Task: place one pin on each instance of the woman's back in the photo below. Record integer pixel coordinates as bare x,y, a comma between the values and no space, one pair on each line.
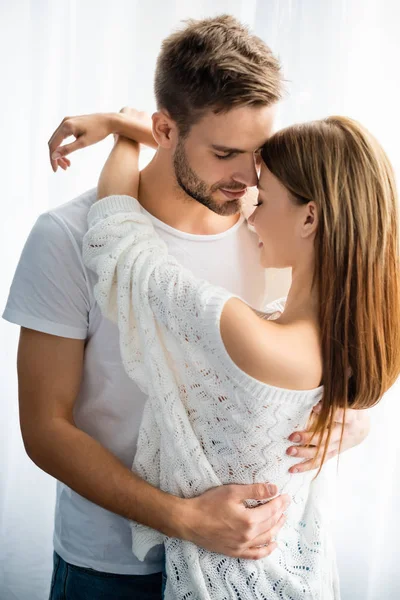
234,429
270,348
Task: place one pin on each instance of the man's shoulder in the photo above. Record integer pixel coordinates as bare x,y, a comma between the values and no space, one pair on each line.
72,215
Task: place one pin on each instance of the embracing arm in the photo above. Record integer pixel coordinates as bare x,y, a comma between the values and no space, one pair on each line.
120,174
136,271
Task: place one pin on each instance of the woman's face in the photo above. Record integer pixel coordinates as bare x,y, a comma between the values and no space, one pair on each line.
280,223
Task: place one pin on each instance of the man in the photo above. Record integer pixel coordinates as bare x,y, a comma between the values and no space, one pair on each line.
216,88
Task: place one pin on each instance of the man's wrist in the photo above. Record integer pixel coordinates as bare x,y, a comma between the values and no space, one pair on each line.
176,517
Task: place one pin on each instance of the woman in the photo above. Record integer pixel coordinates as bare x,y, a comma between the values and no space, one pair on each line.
226,384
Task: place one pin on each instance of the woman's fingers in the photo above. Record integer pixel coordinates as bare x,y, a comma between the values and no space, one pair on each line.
64,163
62,151
63,131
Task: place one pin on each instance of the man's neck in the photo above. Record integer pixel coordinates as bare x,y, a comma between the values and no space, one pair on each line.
161,196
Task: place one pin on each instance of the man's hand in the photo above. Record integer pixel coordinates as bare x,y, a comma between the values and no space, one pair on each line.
87,129
356,429
219,520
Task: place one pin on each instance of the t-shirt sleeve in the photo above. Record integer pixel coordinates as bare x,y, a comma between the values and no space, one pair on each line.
50,292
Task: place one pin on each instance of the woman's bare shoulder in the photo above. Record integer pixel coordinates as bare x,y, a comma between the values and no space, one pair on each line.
287,356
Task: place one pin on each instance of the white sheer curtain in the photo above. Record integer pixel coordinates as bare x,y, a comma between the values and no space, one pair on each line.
73,57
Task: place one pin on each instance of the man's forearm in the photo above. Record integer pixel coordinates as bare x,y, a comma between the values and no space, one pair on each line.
83,464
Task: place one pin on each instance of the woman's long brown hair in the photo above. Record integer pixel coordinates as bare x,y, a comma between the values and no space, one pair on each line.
340,166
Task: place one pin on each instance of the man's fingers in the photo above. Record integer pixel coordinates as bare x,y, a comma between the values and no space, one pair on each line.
310,452
308,465
258,553
266,516
302,451
304,438
270,535
257,491
262,526
339,413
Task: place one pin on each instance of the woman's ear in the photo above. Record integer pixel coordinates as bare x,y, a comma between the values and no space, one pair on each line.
164,129
310,220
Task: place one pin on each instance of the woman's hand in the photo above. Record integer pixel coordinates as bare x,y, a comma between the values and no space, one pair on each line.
87,129
90,129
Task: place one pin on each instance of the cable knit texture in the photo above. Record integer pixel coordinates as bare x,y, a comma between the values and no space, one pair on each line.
206,422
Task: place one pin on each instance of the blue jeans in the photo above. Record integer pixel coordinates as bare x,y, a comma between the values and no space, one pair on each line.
78,583
164,581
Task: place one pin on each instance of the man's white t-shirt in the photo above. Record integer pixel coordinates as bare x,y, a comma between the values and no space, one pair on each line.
52,292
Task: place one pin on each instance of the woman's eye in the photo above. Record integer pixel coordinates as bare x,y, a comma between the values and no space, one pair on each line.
258,204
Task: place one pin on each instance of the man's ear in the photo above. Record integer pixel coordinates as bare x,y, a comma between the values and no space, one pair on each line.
165,130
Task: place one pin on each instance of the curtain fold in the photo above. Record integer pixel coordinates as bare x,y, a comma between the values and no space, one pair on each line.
339,57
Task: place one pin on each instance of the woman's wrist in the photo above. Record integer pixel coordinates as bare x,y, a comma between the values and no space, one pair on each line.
126,145
116,122
135,129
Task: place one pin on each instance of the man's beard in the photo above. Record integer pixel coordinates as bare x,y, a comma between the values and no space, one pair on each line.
194,187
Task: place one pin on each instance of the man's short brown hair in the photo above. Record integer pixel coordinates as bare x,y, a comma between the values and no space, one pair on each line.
214,64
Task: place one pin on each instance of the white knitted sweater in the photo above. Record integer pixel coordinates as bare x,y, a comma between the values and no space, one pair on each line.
206,422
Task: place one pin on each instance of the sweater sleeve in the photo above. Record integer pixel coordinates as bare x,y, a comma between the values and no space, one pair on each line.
144,289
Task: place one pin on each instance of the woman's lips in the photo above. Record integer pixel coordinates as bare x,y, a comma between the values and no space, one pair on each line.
232,195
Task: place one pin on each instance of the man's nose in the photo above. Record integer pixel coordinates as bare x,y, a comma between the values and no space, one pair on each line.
248,175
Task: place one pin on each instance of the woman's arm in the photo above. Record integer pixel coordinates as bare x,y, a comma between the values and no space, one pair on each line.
140,284
125,249
135,125
120,174
193,310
